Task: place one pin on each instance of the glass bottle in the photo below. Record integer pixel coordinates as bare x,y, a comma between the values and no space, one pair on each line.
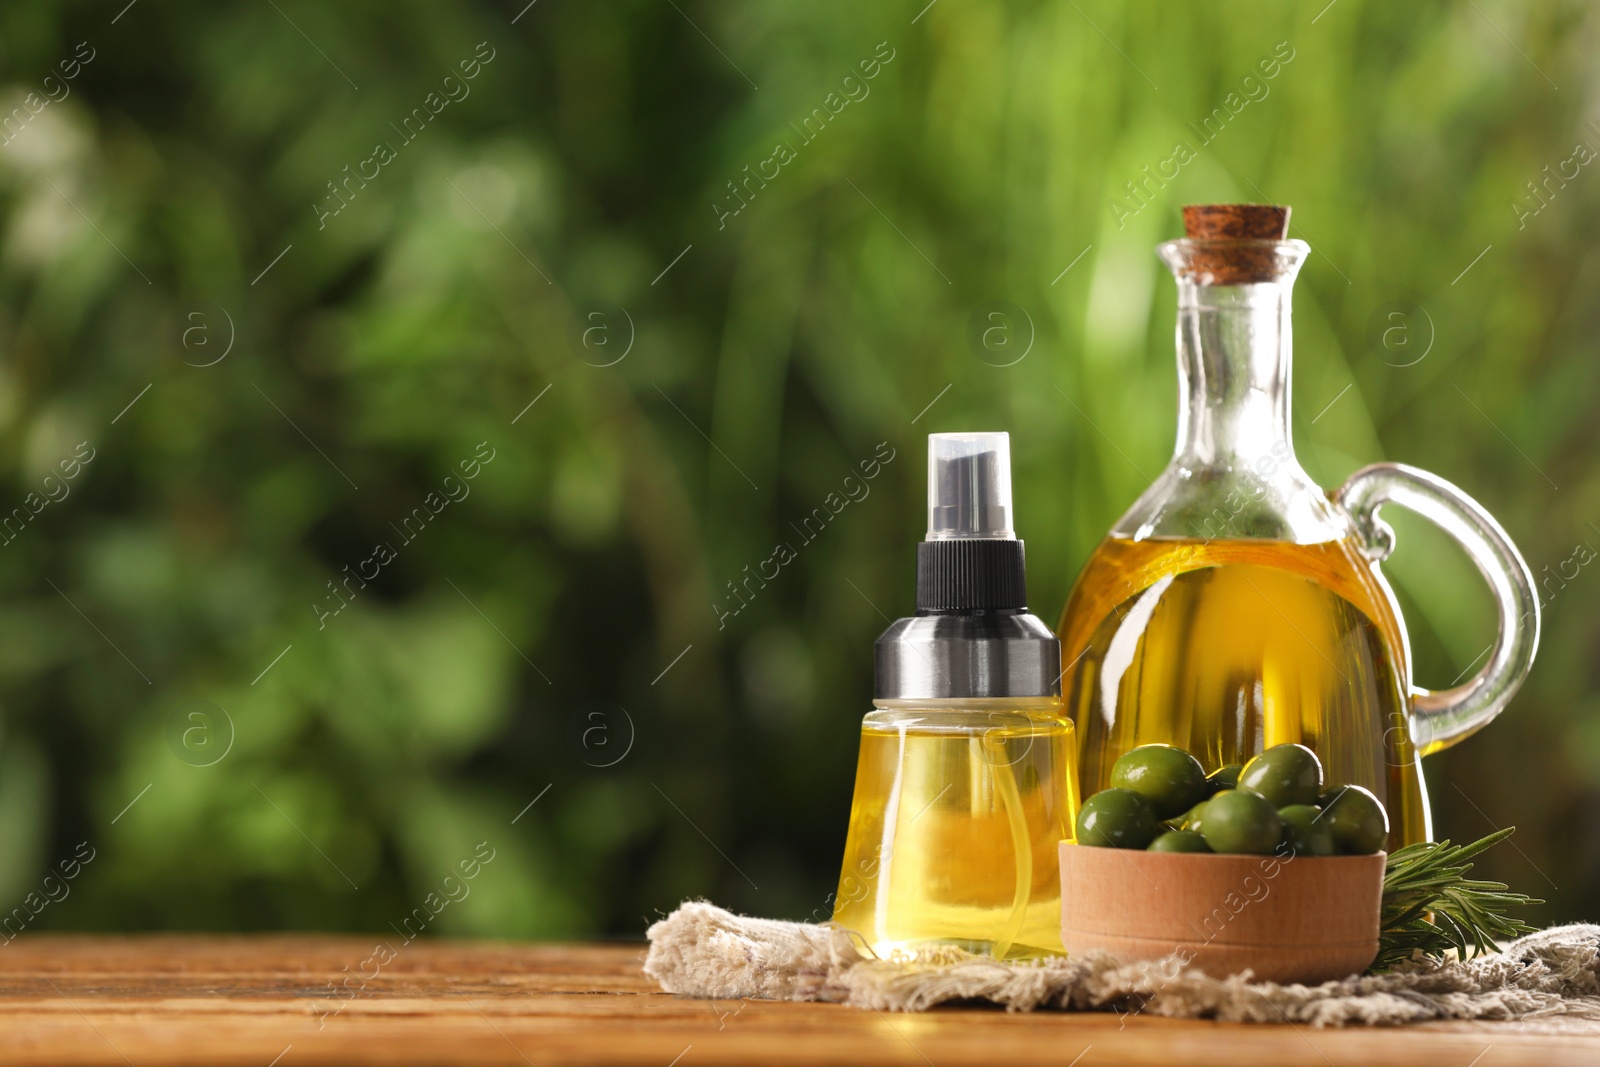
1236,605
964,787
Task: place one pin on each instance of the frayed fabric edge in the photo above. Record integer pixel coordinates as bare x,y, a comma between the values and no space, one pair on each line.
701,950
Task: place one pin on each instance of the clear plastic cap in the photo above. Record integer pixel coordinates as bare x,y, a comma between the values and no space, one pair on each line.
969,486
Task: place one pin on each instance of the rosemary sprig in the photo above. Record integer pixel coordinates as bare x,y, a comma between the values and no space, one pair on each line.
1431,907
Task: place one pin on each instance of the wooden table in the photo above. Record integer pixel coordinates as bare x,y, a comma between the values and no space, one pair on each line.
261,1001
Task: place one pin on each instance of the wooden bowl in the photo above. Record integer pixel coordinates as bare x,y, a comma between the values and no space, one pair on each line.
1286,919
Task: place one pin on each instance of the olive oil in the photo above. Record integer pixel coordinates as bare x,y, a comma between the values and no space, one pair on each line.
1236,604
954,830
964,785
1228,647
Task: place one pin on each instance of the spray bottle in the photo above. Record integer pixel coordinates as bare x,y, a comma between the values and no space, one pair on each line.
965,784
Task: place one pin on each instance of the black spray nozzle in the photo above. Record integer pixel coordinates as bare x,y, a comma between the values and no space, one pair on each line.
971,560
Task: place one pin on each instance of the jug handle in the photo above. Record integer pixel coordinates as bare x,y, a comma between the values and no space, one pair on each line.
1440,719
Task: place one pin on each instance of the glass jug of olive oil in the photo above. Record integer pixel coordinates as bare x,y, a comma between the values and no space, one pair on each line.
1237,606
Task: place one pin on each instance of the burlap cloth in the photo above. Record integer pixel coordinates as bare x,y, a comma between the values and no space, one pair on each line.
699,950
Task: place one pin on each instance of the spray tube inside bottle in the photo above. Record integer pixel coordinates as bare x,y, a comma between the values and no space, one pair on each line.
964,786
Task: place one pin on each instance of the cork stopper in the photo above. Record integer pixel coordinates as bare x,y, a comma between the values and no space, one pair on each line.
1234,242
1235,222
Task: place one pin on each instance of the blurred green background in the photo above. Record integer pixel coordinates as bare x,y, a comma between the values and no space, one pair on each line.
559,230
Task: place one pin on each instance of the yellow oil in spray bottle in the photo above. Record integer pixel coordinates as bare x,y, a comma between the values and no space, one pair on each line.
965,784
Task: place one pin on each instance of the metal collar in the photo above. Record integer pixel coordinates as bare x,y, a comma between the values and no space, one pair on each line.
966,656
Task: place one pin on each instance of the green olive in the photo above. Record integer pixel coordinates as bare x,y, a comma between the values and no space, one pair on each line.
1357,821
1171,779
1306,831
1238,821
1179,841
1117,818
1189,820
1284,774
1224,777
